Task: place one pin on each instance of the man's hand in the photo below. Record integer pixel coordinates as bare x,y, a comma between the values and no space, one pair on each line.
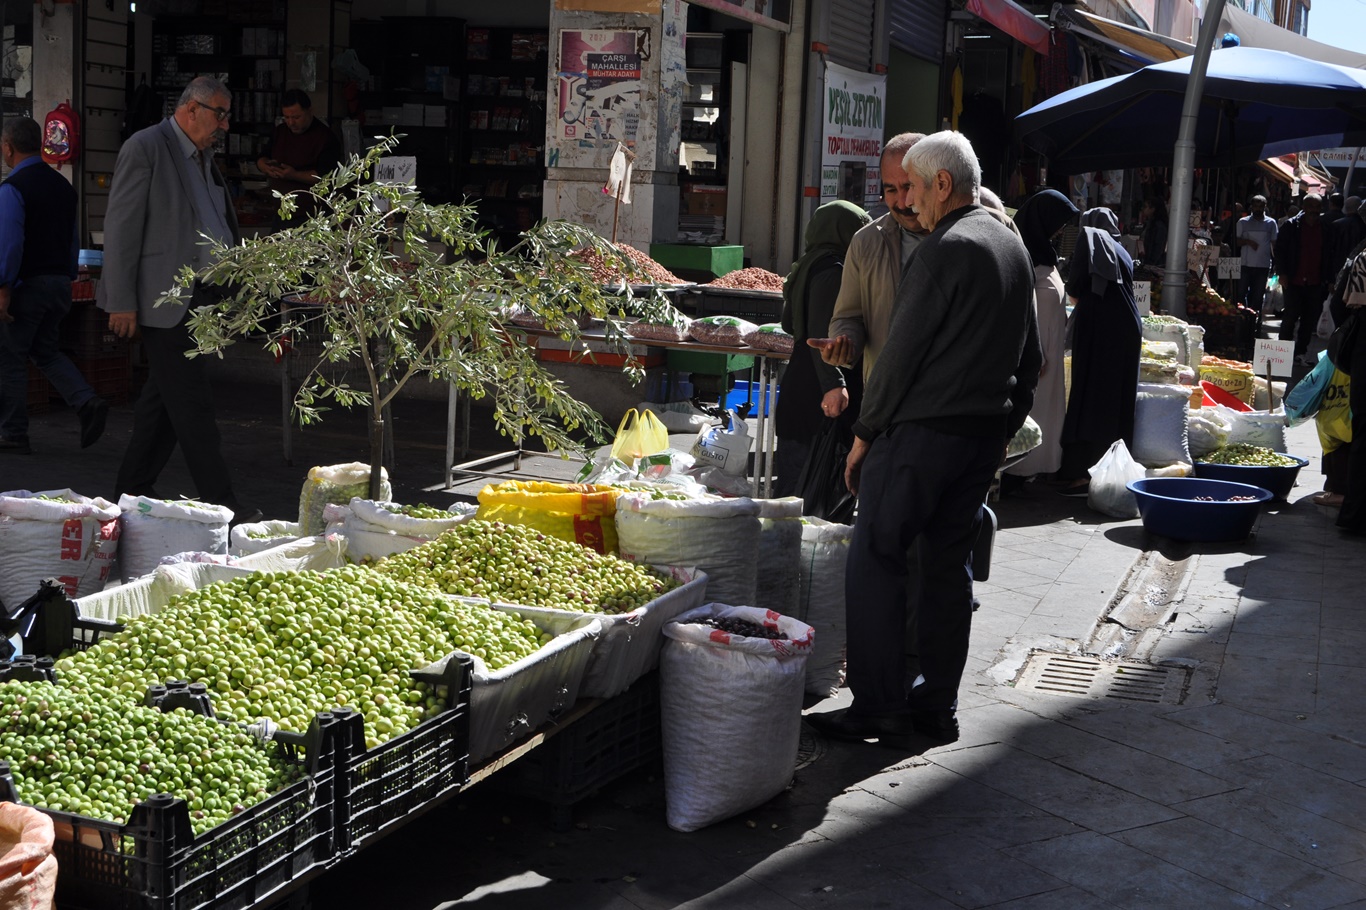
124,325
4,305
837,351
853,465
834,402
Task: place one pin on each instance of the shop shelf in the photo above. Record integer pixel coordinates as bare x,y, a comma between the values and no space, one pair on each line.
155,862
618,736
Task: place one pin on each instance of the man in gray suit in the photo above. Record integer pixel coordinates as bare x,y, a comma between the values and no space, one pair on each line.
166,194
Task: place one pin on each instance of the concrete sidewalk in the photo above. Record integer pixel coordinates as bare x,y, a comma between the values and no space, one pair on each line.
1242,784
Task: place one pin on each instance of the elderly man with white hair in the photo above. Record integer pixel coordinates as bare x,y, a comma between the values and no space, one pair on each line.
936,417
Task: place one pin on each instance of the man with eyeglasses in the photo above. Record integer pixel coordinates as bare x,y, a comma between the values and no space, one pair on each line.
167,196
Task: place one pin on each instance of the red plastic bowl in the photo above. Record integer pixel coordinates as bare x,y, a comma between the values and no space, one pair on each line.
1215,395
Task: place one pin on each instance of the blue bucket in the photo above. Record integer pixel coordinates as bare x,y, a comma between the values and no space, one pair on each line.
1169,507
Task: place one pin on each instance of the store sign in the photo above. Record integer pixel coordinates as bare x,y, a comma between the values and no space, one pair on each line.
599,86
1279,355
1339,157
851,140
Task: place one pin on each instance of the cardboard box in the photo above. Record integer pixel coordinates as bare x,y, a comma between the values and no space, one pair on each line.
704,201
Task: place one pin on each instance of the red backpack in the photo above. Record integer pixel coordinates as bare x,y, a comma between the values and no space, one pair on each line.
61,135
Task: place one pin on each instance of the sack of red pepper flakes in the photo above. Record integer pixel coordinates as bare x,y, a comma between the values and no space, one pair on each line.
55,534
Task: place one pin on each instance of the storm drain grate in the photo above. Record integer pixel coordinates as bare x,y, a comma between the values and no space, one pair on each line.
1090,677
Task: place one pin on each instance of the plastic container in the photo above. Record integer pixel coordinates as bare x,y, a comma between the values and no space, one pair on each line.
1215,395
746,391
1279,481
1169,507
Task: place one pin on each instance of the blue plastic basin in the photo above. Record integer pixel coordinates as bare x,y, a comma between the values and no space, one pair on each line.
1279,481
1169,507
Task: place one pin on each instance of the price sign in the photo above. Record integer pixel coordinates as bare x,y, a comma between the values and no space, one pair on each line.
1143,296
1278,355
396,169
1230,267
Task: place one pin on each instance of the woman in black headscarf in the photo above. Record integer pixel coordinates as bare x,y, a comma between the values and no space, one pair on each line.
1041,217
813,390
1107,337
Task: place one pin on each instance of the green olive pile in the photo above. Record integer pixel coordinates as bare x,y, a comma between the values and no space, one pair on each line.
266,535
520,565
1240,453
99,756
286,645
421,510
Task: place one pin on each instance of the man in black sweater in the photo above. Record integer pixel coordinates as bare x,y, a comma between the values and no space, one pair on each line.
955,383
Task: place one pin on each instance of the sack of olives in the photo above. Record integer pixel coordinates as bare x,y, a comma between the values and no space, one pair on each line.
151,529
375,530
55,534
339,484
255,536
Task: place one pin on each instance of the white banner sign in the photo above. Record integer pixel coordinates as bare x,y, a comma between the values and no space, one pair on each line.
1280,355
851,139
1339,157
1143,296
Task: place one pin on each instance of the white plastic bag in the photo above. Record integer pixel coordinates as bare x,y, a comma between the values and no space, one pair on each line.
1160,424
154,528
1207,429
1326,325
780,551
730,707
338,483
719,536
825,550
55,534
726,447
1109,491
255,536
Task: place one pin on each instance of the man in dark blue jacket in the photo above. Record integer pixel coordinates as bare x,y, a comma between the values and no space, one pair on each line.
956,382
38,246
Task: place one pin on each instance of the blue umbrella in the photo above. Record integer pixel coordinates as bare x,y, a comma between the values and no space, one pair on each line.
1256,104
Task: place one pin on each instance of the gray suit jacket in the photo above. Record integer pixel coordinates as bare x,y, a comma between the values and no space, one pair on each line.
151,229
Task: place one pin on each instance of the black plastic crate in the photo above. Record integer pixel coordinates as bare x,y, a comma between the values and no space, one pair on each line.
618,736
758,307
85,333
154,861
381,788
50,623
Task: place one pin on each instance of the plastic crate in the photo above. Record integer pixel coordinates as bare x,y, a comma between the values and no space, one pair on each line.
39,391
758,307
154,861
85,333
110,376
616,737
384,787
50,623
83,289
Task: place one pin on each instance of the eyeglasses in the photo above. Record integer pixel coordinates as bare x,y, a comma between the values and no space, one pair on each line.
222,113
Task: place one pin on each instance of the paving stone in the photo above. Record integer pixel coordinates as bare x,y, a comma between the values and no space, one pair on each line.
1259,683
1125,876
1272,585
1281,826
1345,612
1277,616
1140,727
1344,647
1144,774
1240,864
1071,898
1273,646
938,866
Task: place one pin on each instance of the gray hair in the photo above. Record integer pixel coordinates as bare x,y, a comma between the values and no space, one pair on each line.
897,147
948,151
23,134
202,89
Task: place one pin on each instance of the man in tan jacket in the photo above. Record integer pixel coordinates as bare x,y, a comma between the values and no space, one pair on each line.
872,268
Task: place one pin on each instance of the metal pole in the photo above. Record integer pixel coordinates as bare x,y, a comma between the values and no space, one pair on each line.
1183,167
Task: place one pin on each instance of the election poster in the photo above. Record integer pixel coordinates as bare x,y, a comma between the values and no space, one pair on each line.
599,85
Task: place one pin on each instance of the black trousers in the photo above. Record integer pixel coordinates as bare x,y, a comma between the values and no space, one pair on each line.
175,406
924,488
1303,305
1352,515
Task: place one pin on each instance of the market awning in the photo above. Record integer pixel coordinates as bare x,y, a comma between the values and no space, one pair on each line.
1146,45
1255,32
1310,179
1013,19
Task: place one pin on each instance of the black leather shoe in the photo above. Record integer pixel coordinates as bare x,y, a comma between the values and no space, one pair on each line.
857,727
93,415
940,725
17,446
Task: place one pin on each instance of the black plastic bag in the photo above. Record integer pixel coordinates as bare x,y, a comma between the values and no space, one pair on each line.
821,482
1343,340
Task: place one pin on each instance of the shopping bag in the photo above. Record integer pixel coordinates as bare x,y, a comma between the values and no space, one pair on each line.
1305,398
821,483
1334,419
639,434
1109,491
1326,326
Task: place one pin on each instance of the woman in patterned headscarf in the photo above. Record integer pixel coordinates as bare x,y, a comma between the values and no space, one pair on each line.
1107,338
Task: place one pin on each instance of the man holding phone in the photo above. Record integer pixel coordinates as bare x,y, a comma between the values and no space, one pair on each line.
302,149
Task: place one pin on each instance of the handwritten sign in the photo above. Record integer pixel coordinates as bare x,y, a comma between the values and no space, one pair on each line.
396,169
1230,267
1279,355
1143,296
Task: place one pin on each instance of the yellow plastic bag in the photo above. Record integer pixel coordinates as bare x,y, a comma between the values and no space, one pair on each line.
1334,419
582,513
640,433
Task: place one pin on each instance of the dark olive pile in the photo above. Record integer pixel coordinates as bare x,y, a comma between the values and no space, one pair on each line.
741,627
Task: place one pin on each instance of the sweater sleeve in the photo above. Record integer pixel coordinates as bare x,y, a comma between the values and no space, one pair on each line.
820,304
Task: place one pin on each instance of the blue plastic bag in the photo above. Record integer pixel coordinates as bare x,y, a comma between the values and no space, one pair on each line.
1305,398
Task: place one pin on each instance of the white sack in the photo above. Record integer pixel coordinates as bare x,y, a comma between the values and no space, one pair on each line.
154,528
68,537
1256,428
255,536
825,550
719,536
731,709
338,483
1207,429
1160,436
780,550
375,530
